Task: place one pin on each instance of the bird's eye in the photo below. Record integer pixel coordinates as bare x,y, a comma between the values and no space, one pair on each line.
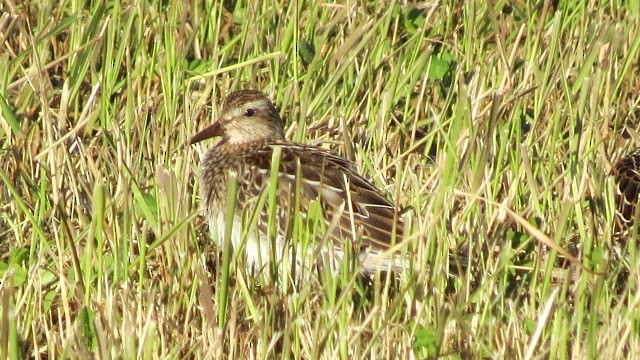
250,112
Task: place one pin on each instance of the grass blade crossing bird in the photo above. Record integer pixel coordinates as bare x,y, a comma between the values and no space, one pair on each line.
355,212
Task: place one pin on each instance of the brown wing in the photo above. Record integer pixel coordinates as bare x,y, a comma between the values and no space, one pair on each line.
627,180
325,177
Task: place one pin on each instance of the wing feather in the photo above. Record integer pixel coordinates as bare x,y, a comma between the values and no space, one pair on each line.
332,181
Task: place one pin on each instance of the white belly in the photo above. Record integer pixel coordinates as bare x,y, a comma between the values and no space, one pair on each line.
259,253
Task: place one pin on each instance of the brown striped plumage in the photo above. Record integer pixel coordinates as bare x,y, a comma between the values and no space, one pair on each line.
355,213
627,180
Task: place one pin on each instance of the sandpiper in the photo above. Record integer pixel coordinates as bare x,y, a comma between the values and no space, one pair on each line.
356,216
627,187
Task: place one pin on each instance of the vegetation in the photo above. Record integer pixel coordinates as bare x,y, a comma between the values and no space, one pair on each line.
494,123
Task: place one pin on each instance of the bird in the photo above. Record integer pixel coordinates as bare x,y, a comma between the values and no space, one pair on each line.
626,173
356,217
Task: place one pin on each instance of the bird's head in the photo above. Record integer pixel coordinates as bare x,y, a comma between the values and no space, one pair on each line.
247,116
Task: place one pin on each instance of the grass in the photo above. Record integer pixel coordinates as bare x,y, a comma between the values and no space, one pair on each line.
496,124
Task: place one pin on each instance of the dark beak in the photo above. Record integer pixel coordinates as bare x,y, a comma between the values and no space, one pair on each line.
207,133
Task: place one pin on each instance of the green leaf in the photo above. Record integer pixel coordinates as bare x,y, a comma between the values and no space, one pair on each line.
306,50
151,202
198,66
413,20
86,318
17,256
47,277
597,255
439,67
529,325
9,116
49,298
18,273
239,15
147,207
425,338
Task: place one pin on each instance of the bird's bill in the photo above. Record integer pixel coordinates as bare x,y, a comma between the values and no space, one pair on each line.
207,133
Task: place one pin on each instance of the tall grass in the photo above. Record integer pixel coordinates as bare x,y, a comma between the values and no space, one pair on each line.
495,124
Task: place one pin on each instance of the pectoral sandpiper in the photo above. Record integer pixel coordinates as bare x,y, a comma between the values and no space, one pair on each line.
355,213
627,180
